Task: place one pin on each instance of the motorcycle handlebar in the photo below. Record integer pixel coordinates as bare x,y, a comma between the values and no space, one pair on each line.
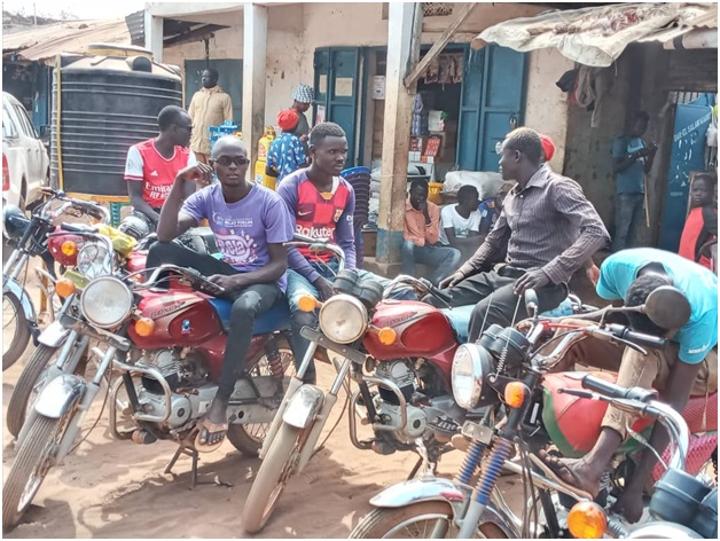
616,391
319,245
621,331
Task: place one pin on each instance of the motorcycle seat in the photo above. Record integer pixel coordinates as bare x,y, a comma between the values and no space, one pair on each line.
275,319
459,317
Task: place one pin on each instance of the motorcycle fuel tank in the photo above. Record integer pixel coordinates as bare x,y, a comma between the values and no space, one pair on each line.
182,318
422,331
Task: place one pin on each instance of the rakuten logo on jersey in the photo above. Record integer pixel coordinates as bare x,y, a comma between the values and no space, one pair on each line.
316,232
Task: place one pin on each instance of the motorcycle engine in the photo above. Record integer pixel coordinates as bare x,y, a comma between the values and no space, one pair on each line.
181,374
388,406
402,375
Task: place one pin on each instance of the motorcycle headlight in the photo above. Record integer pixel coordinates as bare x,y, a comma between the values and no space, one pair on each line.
343,319
106,302
94,260
471,364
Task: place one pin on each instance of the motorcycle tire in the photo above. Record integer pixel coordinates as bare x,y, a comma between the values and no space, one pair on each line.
30,467
21,335
381,522
20,397
269,483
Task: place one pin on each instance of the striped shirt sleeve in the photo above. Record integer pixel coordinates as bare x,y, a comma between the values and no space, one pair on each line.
134,165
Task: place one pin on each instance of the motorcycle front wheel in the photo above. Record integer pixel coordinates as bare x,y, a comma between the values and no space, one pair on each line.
31,465
16,330
275,471
30,379
425,520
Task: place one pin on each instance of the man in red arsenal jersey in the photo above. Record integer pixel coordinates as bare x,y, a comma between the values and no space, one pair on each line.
152,165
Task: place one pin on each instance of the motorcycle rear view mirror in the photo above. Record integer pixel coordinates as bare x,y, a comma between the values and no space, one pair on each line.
667,307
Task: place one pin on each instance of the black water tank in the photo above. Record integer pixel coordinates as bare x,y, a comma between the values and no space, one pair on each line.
109,100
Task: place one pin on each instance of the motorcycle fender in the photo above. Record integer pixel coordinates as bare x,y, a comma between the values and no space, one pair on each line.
12,287
440,490
303,406
61,394
53,335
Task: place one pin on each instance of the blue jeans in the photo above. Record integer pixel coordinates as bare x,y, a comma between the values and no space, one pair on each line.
442,260
628,214
297,286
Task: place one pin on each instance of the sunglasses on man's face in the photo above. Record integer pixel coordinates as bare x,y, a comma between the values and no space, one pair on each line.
226,161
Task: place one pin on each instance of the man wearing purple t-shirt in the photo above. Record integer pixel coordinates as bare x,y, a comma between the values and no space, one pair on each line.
250,224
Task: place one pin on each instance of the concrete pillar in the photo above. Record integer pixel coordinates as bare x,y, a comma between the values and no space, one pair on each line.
402,50
154,35
255,19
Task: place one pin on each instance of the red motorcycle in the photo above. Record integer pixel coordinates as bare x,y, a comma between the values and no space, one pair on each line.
400,355
168,346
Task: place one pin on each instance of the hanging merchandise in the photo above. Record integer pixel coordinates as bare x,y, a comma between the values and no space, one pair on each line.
419,117
432,74
711,140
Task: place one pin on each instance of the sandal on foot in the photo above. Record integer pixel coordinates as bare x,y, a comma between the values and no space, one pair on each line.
210,436
555,470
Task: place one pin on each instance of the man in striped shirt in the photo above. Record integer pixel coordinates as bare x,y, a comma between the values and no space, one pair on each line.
550,230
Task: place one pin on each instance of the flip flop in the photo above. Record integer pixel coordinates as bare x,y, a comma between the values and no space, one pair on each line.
210,436
553,471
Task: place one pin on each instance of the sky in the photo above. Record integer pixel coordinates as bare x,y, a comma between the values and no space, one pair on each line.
83,9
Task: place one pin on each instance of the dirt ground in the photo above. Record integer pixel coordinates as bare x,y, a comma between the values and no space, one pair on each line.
110,488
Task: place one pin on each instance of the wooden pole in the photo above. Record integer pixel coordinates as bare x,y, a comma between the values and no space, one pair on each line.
402,50
255,19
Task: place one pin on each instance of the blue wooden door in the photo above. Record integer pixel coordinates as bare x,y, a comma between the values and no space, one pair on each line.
493,96
687,154
336,90
230,80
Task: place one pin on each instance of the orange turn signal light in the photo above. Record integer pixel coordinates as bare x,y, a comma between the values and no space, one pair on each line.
144,326
387,336
515,393
69,248
64,287
587,520
307,303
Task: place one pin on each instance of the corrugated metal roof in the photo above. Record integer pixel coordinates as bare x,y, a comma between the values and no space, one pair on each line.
69,37
596,36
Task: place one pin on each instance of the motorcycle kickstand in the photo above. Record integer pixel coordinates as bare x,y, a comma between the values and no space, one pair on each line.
195,456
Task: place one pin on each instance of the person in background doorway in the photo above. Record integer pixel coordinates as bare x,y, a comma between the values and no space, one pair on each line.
632,159
422,236
302,100
151,166
460,223
287,153
210,106
701,225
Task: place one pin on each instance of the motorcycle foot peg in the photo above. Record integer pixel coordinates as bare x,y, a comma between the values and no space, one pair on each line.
143,437
382,448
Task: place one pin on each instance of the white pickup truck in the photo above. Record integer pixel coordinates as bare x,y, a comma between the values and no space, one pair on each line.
25,162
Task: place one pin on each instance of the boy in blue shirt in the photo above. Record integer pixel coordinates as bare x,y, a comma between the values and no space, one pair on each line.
632,160
687,366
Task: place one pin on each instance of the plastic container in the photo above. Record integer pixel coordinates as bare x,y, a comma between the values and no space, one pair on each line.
435,192
677,497
261,163
103,103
